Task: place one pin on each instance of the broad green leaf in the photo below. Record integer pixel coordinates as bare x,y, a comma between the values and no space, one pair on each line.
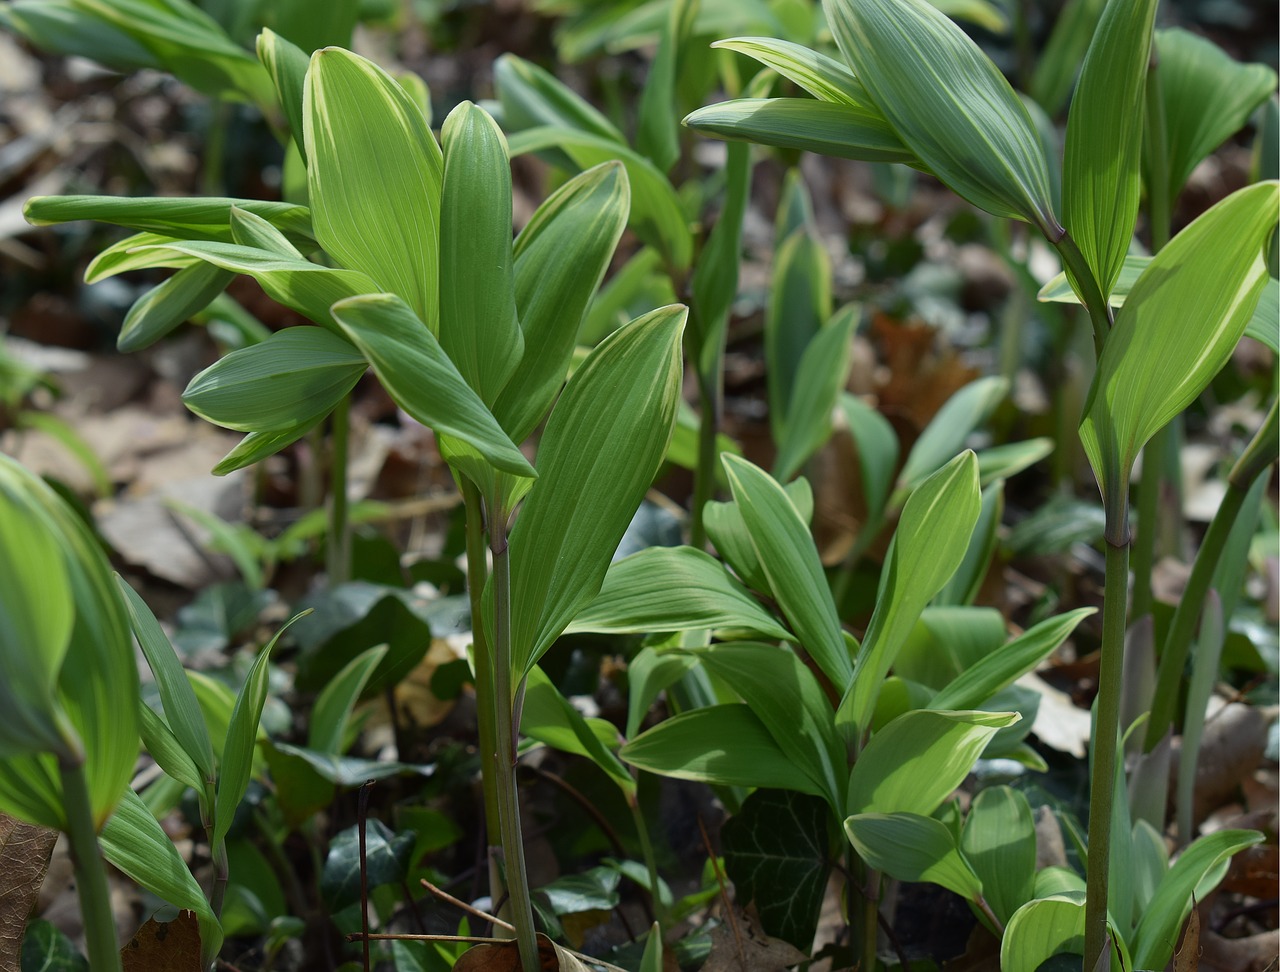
182,711
30,790
188,218
478,326
416,372
673,589
163,745
819,380
946,432
657,132
531,97
386,861
779,841
948,103
1207,98
877,446
911,847
728,531
250,229
348,771
839,130
913,763
236,764
374,178
965,583
946,640
287,65
1101,178
648,673
44,947
656,214
1193,303
1059,62
715,278
929,544
289,380
799,306
59,27
256,446
786,697
719,744
560,258
1041,929
311,27
999,843
1265,324
129,254
626,26
133,841
306,287
1009,662
1010,458
823,77
163,308
789,559
1196,872
550,718
333,707
1058,290
598,455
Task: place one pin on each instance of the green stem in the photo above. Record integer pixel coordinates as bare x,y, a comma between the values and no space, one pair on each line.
711,392
91,876
487,701
213,177
1106,729
339,565
221,873
505,772
650,861
1257,458
1099,310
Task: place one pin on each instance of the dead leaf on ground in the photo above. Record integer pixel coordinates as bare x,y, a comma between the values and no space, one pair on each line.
1233,744
740,945
25,849
505,957
164,946
1252,954
1187,957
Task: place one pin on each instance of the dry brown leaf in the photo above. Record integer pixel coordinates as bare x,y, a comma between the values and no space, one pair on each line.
1187,957
164,946
1253,954
740,945
505,957
24,850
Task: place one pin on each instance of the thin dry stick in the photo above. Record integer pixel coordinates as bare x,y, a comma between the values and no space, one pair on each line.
472,910
724,894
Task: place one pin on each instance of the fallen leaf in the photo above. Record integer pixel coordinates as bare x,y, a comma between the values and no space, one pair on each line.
505,957
1187,957
1252,954
25,849
164,946
740,945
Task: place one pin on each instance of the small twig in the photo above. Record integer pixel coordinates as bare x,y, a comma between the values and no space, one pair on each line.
412,907
724,893
472,910
576,795
474,939
363,813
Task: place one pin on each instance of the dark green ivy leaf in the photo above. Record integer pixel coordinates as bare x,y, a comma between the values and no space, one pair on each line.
387,859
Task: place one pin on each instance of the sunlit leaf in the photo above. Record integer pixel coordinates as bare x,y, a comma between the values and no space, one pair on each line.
189,218
287,64
946,432
333,706
728,531
715,278
1042,928
531,97
877,446
799,305
550,718
819,379
999,843
163,308
911,847
823,77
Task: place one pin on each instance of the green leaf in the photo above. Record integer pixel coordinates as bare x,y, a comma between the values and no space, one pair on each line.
799,305
1010,458
877,446
911,847
236,764
163,308
657,134
946,432
1059,61
728,531
719,744
599,453
839,130
1041,929
786,697
374,177
673,589
531,97
593,890
1195,873
1207,98
182,711
478,326
187,218
1101,179
292,379
966,582
560,258
656,214
287,65
777,854
348,771
651,961
300,285
332,711
913,763
648,673
58,27
823,77
550,718
1193,302
1002,667
818,382
386,861
416,372
948,103
163,745
930,542
46,949
999,843
248,229
256,446
789,559
133,841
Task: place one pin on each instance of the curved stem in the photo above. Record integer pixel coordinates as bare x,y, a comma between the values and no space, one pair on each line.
1106,730
1094,300
659,911
91,878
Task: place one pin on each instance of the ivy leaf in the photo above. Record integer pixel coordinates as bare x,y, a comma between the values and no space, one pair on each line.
386,859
